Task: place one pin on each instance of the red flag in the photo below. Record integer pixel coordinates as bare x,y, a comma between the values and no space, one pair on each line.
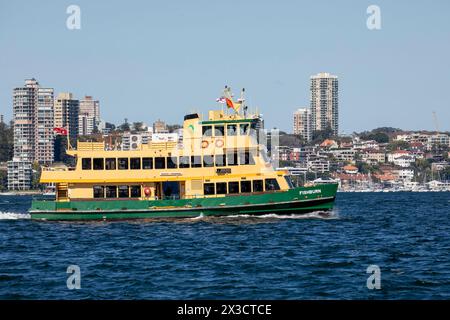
229,103
60,131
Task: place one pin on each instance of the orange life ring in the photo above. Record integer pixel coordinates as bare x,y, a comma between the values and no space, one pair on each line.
205,144
219,143
147,191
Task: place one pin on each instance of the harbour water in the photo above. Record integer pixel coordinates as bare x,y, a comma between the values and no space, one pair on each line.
316,256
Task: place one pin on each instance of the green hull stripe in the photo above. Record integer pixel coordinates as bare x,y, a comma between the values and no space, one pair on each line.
294,200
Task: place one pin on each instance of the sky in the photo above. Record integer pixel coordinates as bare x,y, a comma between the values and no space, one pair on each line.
149,60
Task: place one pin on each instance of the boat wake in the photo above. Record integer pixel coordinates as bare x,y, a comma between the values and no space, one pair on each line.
310,215
13,216
324,215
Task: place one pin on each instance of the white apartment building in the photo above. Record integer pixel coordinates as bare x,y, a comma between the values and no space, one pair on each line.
404,161
324,102
89,115
33,117
404,174
302,123
19,174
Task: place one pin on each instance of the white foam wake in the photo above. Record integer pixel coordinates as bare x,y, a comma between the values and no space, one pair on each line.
317,214
13,216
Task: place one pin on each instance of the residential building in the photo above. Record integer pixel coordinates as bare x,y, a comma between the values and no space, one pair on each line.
343,154
439,139
318,165
44,124
373,156
160,127
89,115
404,174
349,169
404,161
302,123
324,102
66,114
19,174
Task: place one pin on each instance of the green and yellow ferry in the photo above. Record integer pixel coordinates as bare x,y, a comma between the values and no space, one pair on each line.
218,169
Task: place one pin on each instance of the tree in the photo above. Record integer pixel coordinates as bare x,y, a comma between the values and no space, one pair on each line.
173,127
397,145
110,126
320,135
138,126
291,140
6,141
124,126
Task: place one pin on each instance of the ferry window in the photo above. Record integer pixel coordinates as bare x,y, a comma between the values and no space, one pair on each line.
111,192
110,163
123,192
208,161
232,158
207,131
258,186
196,161
244,129
98,163
220,160
219,131
86,164
208,189
135,191
184,162
160,163
221,187
123,163
231,130
135,163
289,182
172,162
99,192
246,186
272,184
147,163
246,158
233,187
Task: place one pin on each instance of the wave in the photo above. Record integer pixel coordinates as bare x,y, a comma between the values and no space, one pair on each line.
13,215
310,215
315,214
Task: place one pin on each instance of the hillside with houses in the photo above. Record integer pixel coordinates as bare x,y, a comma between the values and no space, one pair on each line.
383,159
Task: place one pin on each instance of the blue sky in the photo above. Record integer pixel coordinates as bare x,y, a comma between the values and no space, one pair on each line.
146,60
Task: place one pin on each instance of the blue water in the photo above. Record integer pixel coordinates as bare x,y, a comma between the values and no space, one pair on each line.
275,257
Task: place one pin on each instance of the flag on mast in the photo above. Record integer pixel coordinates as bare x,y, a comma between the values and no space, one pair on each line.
60,131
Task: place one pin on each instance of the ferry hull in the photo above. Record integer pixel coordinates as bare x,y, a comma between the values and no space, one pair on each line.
294,201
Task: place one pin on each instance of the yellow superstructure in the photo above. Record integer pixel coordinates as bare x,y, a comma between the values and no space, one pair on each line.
218,156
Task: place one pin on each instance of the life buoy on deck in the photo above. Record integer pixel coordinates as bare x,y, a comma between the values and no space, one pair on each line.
205,144
219,143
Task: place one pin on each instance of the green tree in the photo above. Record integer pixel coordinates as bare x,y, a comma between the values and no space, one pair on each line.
320,135
397,145
6,141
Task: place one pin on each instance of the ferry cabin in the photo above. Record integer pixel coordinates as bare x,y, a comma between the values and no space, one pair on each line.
218,157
